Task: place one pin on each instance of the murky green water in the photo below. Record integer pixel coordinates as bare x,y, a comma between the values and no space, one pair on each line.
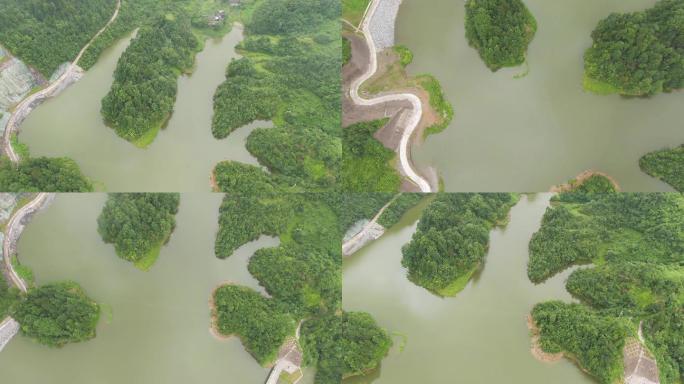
479,336
530,133
183,154
159,328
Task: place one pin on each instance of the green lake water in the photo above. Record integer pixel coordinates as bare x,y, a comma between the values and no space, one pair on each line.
479,336
182,156
531,133
158,330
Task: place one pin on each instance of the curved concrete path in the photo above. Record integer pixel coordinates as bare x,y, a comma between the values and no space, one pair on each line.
25,106
9,327
415,114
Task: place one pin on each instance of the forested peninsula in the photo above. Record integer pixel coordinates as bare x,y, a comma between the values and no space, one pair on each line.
452,238
138,224
302,277
500,30
667,165
290,74
639,53
145,80
636,245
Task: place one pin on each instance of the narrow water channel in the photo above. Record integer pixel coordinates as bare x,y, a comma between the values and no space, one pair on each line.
479,336
158,329
540,130
183,154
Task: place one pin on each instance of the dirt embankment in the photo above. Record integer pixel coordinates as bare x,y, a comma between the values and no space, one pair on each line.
580,179
536,348
390,78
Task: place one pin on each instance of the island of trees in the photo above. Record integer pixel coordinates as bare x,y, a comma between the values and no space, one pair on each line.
667,165
636,244
57,314
452,239
302,276
145,80
290,74
43,174
639,53
500,30
138,224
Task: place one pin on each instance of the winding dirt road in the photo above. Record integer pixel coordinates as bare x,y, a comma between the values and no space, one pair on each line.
25,106
415,114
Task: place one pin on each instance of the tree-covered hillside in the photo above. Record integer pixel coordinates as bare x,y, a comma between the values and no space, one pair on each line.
500,30
145,81
290,74
452,239
302,277
639,53
45,34
667,165
636,245
43,174
138,224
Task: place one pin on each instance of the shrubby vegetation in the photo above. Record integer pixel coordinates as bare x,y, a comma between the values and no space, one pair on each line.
262,326
639,53
8,297
365,161
405,55
45,34
452,239
636,242
290,74
398,208
438,102
145,81
138,224
595,341
500,30
43,174
346,51
57,314
302,277
595,184
667,165
343,345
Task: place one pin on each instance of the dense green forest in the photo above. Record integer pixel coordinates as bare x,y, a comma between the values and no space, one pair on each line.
343,345
452,238
290,74
43,174
138,224
639,53
595,184
260,323
136,13
582,228
667,165
398,208
302,276
57,314
636,243
500,30
145,80
45,34
596,341
366,163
